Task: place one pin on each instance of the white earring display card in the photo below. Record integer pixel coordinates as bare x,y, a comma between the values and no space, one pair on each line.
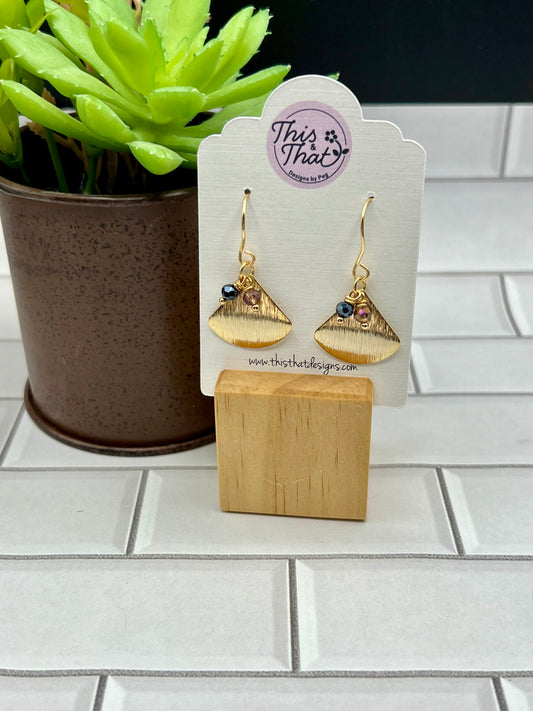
311,162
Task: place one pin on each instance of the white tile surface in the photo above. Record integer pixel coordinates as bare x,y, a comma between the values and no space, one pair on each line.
8,414
13,371
493,509
33,448
433,430
4,265
144,614
520,294
461,141
47,693
474,366
415,614
59,512
518,693
9,322
181,514
481,313
519,160
139,694
449,429
471,226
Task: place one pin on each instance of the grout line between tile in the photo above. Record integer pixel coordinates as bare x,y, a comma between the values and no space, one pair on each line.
293,603
499,338
505,141
329,674
507,306
466,393
213,468
130,548
480,179
12,433
500,694
100,693
269,556
414,378
472,273
450,512
112,467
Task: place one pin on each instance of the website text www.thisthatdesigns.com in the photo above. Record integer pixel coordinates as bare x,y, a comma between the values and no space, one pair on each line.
312,363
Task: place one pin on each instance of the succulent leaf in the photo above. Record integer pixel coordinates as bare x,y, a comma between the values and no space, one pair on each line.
199,69
232,33
113,10
42,112
185,19
13,14
134,56
248,88
215,124
10,141
73,33
176,104
35,55
75,7
154,157
151,36
102,120
240,53
54,42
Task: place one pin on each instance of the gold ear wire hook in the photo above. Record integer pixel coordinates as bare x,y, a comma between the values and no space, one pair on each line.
362,277
246,258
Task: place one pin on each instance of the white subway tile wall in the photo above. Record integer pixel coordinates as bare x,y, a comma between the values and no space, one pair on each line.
9,324
474,366
163,694
519,693
48,693
124,587
13,373
482,311
181,515
145,614
461,141
63,512
519,288
519,160
390,615
482,500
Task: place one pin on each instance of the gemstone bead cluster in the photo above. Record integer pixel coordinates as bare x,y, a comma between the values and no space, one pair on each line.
251,296
360,310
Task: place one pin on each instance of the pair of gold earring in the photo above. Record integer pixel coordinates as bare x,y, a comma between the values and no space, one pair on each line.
248,317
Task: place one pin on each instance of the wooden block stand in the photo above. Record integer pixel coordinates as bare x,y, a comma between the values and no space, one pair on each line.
295,445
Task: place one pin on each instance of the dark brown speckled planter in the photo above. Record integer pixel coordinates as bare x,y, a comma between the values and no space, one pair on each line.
107,296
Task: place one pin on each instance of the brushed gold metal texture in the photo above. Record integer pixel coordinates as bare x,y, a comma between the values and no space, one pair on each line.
353,342
249,326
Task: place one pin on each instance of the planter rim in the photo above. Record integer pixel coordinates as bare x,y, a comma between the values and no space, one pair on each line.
11,188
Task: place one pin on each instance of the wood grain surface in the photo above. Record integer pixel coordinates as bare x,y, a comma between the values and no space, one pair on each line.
295,445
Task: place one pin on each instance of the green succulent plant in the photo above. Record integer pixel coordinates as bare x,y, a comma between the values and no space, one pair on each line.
137,75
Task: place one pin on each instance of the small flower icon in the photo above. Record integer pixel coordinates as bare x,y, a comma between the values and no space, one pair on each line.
331,136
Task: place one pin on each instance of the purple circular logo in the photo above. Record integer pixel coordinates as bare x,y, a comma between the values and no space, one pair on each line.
309,144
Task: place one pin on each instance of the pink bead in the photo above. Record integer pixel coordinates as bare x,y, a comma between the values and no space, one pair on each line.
251,297
363,313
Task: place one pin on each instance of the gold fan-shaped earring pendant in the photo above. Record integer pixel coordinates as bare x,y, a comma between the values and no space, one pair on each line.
357,332
247,316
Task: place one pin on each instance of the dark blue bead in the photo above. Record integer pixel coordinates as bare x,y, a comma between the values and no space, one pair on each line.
344,310
229,292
